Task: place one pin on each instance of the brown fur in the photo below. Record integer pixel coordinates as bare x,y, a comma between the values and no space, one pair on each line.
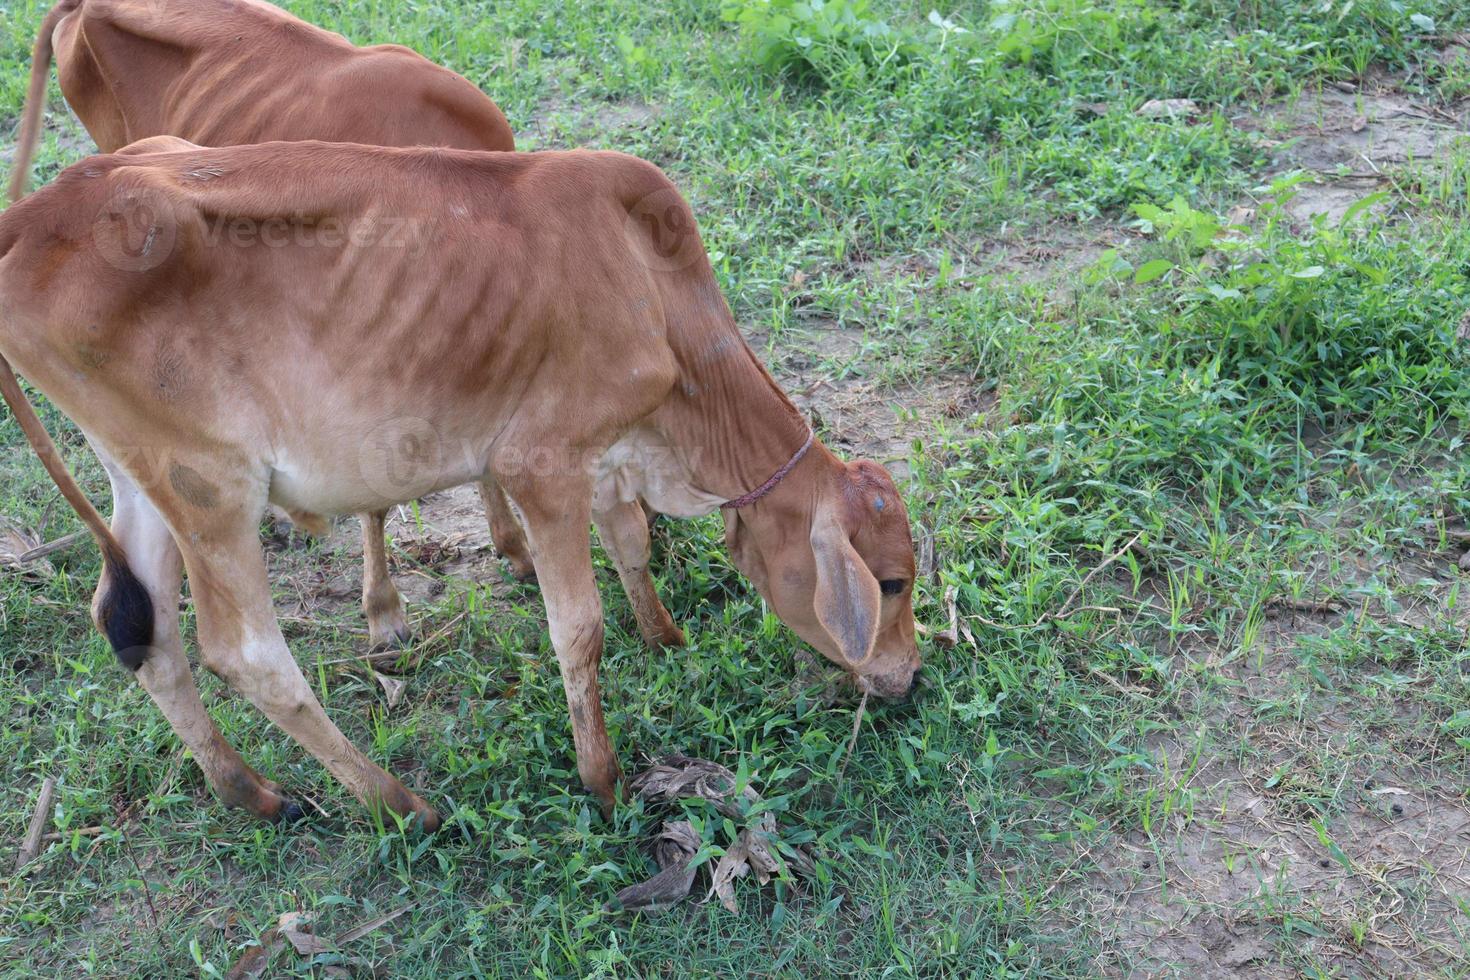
227,72
530,327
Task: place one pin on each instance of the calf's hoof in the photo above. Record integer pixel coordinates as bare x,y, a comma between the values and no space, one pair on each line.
521,569
290,812
609,793
428,818
260,797
668,637
406,804
389,634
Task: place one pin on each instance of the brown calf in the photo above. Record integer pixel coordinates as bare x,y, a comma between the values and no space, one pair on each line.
224,72
338,328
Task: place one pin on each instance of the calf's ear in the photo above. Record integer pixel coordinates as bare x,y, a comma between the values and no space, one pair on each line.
847,597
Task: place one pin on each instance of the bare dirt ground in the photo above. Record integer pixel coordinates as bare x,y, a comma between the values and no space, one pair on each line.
1357,142
1247,870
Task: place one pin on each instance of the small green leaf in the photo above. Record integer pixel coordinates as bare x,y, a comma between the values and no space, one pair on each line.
1150,271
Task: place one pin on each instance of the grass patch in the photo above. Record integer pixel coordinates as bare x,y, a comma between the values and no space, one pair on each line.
1197,527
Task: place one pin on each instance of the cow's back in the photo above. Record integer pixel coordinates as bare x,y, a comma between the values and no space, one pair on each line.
430,276
226,72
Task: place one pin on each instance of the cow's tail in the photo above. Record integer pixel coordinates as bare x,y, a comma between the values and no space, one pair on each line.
30,119
125,614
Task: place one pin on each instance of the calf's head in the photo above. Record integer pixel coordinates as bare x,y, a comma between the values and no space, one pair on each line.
843,576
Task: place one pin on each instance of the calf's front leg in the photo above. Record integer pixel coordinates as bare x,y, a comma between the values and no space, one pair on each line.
505,531
558,520
623,528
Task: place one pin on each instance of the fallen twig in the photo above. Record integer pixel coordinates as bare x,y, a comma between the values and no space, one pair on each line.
1066,606
31,845
352,935
857,723
1307,605
57,835
51,547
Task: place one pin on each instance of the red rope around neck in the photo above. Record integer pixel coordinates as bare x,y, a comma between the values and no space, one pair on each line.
776,478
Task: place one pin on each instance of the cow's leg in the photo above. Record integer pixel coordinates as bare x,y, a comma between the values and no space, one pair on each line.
241,641
558,519
381,603
154,558
624,532
505,531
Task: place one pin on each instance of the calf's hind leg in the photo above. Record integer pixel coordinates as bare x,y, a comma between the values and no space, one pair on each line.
154,558
241,641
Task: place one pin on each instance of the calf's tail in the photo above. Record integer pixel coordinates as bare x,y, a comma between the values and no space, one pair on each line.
126,611
30,119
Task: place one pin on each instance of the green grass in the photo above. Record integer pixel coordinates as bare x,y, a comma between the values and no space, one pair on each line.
1243,427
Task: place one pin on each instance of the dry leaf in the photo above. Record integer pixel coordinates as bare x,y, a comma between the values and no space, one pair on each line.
307,944
254,961
1170,108
675,847
680,777
392,687
299,921
677,777
733,865
16,545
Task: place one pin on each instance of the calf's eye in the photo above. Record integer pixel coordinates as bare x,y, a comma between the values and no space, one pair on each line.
891,586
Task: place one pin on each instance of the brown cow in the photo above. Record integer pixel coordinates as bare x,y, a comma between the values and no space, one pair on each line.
337,328
223,72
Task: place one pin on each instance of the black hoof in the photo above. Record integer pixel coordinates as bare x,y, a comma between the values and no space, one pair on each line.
290,813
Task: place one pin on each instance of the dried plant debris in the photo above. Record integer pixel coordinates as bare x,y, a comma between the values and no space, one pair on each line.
295,929
23,551
679,777
673,850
